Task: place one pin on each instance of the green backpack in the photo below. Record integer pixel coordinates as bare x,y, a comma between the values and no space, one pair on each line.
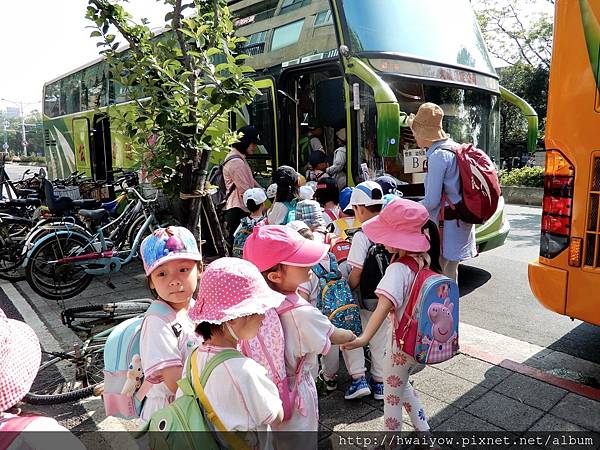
190,421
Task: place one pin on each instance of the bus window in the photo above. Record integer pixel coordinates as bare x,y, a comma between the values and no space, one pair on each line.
93,87
366,124
52,99
71,90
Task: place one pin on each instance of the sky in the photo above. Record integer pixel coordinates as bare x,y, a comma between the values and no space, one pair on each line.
43,39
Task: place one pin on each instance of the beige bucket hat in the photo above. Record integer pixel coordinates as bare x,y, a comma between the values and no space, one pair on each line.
427,123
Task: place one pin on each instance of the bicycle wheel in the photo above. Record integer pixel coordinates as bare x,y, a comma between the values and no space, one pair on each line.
54,281
83,318
12,238
69,377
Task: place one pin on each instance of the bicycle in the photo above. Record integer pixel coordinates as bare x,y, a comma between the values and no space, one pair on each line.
65,377
63,263
85,318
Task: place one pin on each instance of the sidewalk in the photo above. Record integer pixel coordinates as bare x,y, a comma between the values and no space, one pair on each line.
488,387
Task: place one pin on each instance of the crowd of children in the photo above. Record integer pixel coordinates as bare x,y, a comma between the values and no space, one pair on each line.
285,264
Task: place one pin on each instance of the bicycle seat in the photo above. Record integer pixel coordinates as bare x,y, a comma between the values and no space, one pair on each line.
85,203
20,202
95,215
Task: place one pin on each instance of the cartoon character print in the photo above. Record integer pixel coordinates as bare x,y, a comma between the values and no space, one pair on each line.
134,376
444,341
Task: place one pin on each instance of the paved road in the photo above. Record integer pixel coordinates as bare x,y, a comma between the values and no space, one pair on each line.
16,171
496,294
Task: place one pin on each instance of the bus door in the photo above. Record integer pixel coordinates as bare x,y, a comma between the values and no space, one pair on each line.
261,113
101,151
81,142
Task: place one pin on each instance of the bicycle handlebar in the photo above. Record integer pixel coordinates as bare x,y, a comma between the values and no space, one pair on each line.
135,191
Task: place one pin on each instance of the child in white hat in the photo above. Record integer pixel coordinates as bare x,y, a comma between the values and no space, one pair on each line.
255,200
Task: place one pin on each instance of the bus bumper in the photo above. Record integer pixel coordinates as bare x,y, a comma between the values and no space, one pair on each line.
549,285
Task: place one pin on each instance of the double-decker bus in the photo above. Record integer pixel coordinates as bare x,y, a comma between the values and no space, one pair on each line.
566,276
360,65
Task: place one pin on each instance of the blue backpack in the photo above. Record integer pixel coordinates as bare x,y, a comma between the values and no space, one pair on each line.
291,216
428,330
124,386
335,298
239,239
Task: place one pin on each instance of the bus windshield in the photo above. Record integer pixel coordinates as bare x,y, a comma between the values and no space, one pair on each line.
430,30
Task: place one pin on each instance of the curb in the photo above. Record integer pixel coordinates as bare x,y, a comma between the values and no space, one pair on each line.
531,372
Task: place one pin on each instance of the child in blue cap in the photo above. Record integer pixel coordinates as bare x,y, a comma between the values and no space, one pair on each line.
172,263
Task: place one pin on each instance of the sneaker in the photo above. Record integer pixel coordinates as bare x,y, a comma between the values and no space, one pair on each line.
330,385
359,388
376,388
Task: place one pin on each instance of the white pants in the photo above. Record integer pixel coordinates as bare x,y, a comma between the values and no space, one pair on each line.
450,268
354,360
376,344
399,393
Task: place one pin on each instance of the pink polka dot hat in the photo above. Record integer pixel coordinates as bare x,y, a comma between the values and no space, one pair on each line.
232,288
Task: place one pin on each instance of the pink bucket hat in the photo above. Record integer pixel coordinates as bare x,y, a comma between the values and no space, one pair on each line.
270,245
20,357
232,288
400,225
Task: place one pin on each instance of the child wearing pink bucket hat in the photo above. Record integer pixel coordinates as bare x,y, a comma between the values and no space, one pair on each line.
404,228
20,357
285,259
231,304
172,265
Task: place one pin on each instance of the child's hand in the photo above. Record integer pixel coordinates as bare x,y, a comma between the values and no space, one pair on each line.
355,343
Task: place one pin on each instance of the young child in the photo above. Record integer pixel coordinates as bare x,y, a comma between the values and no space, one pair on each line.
272,192
20,356
310,212
330,362
171,262
328,195
366,201
318,163
338,167
405,229
232,299
286,179
285,259
347,223
254,199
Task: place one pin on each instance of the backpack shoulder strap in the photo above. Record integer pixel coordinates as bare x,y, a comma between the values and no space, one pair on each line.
161,309
410,262
342,224
231,158
331,214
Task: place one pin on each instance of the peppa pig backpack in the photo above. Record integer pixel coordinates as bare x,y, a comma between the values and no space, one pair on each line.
267,349
428,330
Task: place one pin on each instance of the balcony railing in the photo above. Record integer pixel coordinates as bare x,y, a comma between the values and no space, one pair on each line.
253,49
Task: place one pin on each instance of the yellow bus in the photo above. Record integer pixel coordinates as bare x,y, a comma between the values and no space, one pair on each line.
566,276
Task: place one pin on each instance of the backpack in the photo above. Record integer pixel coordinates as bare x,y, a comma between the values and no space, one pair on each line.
12,427
346,230
376,262
124,386
480,187
432,307
335,298
291,216
217,179
239,239
190,421
267,348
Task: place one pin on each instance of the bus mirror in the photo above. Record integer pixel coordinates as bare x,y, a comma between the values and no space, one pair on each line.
344,51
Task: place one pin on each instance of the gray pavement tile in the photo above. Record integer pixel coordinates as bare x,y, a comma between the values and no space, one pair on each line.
552,423
428,374
335,410
436,410
372,422
463,421
559,360
530,391
453,390
479,372
579,410
504,412
556,425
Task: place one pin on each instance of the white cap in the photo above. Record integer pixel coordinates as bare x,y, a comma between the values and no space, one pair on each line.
256,194
272,191
305,193
297,225
367,193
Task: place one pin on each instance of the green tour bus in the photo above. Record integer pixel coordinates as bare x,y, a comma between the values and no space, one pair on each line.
361,65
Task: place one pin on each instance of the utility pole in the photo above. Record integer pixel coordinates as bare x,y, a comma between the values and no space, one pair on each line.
5,123
24,142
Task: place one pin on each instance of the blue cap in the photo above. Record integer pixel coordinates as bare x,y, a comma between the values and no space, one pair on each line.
345,195
387,183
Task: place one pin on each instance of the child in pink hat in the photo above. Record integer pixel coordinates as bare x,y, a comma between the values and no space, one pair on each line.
405,229
20,356
285,259
172,263
231,304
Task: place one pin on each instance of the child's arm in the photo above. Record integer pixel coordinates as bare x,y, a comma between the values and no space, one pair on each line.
384,306
170,376
354,277
341,336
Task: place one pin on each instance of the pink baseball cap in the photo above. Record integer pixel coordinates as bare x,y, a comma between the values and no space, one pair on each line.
232,288
269,245
400,225
20,357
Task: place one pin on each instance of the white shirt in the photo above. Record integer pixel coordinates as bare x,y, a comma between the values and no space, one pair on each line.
359,249
41,441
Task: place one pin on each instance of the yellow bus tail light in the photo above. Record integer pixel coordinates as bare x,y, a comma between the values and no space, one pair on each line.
575,252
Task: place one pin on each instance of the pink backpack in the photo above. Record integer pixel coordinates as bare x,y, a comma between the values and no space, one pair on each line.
268,348
480,187
12,428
